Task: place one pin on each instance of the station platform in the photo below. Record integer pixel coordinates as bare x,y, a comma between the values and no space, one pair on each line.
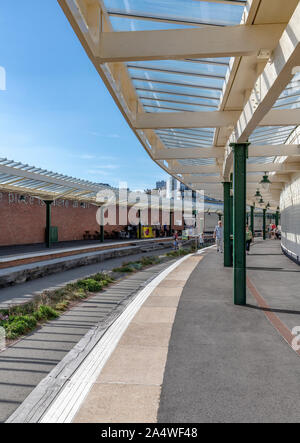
20,255
182,352
16,268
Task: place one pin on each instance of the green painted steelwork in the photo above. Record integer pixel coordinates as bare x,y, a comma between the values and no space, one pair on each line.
101,225
252,220
48,204
227,227
240,151
170,226
264,223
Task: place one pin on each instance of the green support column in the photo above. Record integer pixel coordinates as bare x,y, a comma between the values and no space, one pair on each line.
48,204
240,151
227,221
277,218
252,220
102,226
140,225
264,223
170,226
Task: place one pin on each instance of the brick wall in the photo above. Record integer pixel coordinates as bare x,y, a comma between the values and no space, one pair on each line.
23,222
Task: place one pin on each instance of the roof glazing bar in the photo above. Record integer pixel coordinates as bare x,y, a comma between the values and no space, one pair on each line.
182,85
159,91
157,18
171,71
178,102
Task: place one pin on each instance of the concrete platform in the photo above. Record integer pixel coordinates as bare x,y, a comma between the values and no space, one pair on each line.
26,267
186,354
12,257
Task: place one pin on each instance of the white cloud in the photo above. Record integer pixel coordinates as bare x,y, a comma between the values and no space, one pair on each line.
2,79
99,134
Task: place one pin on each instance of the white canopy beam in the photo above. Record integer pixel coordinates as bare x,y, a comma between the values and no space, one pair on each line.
201,169
212,119
274,167
181,120
214,152
228,41
186,153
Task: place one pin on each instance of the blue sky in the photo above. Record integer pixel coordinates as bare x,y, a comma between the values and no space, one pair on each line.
55,112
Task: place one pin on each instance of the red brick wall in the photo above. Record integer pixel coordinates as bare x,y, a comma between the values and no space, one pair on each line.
23,222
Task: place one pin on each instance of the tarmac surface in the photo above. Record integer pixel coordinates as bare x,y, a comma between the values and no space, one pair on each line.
228,363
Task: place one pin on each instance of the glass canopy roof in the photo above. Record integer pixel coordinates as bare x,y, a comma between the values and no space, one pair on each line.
19,177
191,84
188,85
178,11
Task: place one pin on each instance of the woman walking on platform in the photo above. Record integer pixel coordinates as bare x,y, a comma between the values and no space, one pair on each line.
248,239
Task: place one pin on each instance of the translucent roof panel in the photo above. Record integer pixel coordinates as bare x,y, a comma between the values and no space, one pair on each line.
132,24
37,182
186,138
290,97
271,135
198,162
179,11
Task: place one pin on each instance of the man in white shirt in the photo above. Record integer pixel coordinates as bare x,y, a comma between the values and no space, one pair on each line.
218,235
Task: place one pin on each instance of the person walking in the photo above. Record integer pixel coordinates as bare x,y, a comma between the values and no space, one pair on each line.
249,237
218,235
175,238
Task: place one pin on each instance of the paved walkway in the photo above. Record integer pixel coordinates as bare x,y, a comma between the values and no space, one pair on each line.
184,353
228,363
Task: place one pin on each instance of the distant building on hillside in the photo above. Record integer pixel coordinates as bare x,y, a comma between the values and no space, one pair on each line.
161,184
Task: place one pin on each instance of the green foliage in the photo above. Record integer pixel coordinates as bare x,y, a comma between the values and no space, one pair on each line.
62,306
90,285
124,269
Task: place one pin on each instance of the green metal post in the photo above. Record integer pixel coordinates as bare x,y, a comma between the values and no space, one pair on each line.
102,226
231,218
227,221
240,151
264,223
252,220
48,204
170,228
140,225
277,218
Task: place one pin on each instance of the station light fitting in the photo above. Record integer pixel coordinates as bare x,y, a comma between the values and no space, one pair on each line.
265,182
